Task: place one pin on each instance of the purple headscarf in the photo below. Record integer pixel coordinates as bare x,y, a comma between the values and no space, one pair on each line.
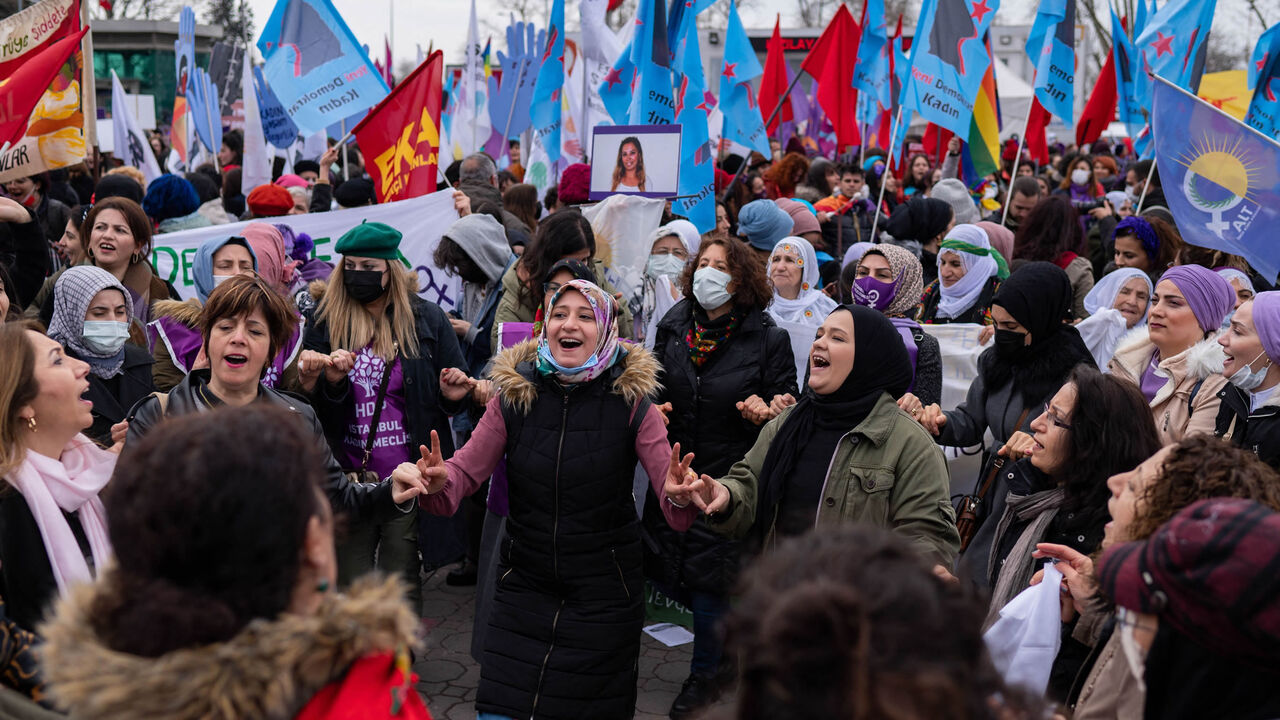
1266,321
1208,294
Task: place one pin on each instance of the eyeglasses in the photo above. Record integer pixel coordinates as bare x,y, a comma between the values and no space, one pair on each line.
1053,418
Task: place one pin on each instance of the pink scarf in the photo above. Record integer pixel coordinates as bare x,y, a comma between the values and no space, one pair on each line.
70,484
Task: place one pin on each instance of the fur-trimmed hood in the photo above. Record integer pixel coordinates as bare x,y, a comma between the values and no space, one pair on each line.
1198,362
271,669
186,312
639,376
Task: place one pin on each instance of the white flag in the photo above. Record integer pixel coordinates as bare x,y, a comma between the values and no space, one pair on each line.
131,143
470,128
256,167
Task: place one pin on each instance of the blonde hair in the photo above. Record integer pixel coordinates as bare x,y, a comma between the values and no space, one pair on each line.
351,327
131,172
17,389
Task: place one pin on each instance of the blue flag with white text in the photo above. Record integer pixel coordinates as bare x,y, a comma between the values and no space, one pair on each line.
871,75
1264,79
948,61
315,66
743,122
546,109
1051,46
1221,178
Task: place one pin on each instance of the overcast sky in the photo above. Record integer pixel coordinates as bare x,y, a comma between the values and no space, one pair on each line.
445,21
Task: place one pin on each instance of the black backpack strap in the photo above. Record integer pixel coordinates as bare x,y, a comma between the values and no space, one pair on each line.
1191,401
637,418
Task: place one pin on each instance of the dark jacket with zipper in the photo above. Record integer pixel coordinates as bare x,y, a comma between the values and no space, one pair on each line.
425,408
755,360
1257,431
112,397
563,636
360,500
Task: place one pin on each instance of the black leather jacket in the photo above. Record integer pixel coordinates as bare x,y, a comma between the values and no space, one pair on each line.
360,500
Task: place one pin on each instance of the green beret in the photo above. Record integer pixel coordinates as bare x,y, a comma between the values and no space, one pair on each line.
373,240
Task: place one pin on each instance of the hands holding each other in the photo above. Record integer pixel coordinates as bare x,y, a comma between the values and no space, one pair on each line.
427,476
684,486
930,416
335,366
755,409
456,385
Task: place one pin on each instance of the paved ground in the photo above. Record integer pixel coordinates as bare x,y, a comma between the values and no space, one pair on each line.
448,676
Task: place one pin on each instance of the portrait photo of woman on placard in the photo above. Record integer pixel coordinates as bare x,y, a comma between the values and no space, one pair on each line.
628,173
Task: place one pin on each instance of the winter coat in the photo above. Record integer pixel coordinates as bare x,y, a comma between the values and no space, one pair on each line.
25,253
339,662
192,221
511,308
359,499
425,408
979,313
563,635
53,216
928,378
1106,689
755,360
1197,368
1257,430
886,471
113,397
20,677
26,576
140,279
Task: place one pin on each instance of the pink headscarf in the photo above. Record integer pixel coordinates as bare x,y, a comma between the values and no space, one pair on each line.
1001,237
274,265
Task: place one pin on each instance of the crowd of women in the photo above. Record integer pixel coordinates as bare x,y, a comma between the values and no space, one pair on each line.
194,492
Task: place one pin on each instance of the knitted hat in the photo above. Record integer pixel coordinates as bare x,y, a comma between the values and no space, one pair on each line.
954,193
170,196
575,184
269,201
764,224
802,218
1209,574
289,180
117,186
372,240
353,193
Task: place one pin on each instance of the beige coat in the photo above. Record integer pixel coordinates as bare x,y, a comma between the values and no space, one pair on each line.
1176,417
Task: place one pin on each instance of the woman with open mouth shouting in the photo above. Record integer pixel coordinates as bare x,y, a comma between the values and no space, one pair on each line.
1252,348
573,416
845,452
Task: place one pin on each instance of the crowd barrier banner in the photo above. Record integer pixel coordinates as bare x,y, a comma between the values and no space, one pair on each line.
423,221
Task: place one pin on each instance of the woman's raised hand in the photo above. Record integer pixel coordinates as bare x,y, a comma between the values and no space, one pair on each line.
681,482
310,365
755,410
1017,446
454,384
431,465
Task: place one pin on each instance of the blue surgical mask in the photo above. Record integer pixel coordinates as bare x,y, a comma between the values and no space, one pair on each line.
663,265
104,337
711,287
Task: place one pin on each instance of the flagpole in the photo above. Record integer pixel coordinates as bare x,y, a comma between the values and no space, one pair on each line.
1146,184
342,126
893,140
583,140
772,116
1022,139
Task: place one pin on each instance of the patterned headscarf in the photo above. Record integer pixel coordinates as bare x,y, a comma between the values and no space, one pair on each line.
607,350
75,289
908,275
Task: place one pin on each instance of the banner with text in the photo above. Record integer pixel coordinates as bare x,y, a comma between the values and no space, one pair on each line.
422,220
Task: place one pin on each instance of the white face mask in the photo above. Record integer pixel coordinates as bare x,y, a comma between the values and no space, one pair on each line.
711,287
1134,656
660,265
1248,379
104,337
219,279
1079,176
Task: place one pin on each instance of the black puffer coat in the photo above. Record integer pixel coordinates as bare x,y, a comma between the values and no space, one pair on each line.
563,639
1257,431
755,360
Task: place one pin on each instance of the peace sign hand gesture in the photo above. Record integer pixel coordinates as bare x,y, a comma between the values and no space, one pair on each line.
431,466
681,482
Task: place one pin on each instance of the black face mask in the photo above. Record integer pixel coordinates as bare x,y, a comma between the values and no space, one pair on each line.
364,286
1010,344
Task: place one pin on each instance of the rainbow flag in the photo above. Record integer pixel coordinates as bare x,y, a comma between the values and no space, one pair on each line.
488,69
981,154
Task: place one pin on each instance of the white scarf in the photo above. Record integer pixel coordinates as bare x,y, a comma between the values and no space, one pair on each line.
978,269
1104,327
70,484
811,306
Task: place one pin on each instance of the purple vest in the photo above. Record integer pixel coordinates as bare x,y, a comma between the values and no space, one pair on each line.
184,344
905,329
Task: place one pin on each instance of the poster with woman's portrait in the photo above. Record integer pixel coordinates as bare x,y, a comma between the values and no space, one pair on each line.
636,160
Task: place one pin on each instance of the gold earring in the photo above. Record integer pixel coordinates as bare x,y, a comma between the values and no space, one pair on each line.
135,258
31,423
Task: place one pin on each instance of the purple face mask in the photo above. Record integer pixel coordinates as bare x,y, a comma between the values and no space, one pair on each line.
874,293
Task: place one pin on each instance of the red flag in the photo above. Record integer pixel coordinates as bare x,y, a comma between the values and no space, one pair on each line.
1101,108
1036,143
21,90
386,66
831,63
402,134
935,143
774,81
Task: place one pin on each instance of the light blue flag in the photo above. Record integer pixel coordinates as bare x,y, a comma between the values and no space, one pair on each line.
1221,177
948,61
1173,45
1264,79
743,122
1128,107
1051,46
871,75
276,123
1140,21
545,111
697,184
315,66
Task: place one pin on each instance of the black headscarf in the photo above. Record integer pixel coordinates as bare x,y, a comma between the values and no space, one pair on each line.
1038,295
880,365
920,219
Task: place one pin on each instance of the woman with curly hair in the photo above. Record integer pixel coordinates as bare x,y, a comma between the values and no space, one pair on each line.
1142,500
628,171
782,179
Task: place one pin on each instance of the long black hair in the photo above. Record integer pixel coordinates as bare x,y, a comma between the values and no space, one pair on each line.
562,233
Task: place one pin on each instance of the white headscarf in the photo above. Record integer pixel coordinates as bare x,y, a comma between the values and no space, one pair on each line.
978,269
811,305
1104,327
1230,273
855,253
655,295
682,229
